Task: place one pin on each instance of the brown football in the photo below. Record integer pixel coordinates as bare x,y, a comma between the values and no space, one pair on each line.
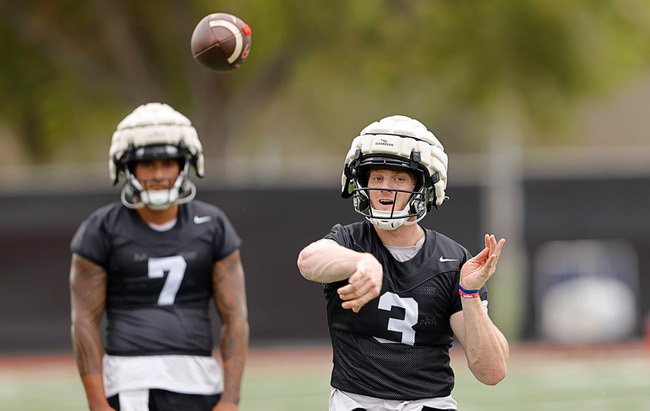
221,41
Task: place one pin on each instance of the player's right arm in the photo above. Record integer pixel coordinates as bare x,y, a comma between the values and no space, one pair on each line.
325,261
88,301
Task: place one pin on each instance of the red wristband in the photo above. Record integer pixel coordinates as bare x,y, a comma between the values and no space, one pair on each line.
467,293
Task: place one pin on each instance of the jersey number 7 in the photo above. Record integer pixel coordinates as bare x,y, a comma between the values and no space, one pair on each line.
174,267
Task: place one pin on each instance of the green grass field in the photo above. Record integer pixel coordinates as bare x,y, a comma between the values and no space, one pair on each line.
539,379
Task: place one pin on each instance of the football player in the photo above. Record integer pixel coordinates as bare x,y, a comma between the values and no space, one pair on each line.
153,262
398,293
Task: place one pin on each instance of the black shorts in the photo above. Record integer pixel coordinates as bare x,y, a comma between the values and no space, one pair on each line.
161,400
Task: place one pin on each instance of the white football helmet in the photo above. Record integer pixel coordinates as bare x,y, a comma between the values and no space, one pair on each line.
151,131
402,143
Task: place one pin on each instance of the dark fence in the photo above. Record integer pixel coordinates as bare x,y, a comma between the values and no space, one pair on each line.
275,223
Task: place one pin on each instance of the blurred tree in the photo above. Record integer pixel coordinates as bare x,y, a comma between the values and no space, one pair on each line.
457,65
71,70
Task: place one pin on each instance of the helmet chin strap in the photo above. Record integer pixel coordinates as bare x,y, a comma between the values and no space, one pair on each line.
386,220
156,199
387,225
159,199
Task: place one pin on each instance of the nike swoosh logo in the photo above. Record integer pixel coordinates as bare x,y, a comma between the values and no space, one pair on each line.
201,220
446,260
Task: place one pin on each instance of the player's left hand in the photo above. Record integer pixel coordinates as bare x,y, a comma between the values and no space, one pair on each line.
477,270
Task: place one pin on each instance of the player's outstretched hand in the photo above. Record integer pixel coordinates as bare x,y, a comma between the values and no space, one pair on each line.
363,285
477,270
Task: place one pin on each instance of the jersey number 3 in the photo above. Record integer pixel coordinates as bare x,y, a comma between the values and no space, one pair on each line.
174,267
404,325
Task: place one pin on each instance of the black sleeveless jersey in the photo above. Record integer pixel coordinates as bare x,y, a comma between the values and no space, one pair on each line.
159,287
397,345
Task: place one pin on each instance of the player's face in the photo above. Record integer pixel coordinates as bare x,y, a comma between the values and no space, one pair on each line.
157,174
384,181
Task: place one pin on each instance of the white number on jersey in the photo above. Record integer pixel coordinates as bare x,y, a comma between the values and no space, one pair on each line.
405,325
174,267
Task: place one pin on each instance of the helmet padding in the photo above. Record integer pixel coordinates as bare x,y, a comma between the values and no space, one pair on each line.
153,124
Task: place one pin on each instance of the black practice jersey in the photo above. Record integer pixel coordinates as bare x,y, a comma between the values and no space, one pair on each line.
159,283
397,345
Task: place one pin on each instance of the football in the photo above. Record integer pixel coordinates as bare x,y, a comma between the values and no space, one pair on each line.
221,42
